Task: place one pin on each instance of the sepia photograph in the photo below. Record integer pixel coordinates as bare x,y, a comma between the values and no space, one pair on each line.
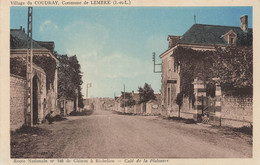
123,84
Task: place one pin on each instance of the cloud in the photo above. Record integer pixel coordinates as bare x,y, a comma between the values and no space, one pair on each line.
47,25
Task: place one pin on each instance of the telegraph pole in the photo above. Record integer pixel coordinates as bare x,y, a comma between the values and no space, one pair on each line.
29,62
154,64
88,86
124,98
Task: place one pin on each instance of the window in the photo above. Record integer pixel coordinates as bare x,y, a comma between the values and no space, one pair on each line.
230,37
231,40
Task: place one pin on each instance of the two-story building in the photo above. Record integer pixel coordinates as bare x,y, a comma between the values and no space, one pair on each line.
200,37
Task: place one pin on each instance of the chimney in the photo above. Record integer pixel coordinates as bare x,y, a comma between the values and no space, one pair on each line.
173,40
244,22
21,28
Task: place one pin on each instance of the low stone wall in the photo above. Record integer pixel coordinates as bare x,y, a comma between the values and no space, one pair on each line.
17,101
236,111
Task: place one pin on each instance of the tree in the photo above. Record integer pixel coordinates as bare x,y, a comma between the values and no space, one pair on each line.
179,102
146,93
234,67
128,101
70,78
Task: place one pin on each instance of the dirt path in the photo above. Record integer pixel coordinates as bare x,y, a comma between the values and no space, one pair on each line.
109,135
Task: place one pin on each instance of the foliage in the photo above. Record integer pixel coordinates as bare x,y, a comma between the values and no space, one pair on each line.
18,66
70,78
128,100
192,64
234,67
48,64
179,102
211,88
179,99
146,93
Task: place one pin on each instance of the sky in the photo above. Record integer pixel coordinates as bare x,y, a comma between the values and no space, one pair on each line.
114,45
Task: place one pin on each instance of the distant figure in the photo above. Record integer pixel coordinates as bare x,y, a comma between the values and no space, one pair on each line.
50,117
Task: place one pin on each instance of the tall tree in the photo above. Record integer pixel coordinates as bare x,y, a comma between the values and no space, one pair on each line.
146,93
70,78
127,99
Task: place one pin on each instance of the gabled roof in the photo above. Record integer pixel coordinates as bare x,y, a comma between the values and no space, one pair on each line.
18,40
213,35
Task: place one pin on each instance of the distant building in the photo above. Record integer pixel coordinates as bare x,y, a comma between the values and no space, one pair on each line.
132,104
44,79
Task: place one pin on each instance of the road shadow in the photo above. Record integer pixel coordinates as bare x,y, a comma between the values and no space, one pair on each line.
82,113
30,130
121,113
182,120
59,118
240,130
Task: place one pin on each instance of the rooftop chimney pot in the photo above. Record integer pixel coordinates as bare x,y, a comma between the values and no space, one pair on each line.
244,22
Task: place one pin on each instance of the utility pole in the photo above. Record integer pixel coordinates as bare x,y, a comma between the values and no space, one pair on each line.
29,62
154,64
88,86
77,100
124,98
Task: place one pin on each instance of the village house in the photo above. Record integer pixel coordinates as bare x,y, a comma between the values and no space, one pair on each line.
132,105
199,38
44,80
153,106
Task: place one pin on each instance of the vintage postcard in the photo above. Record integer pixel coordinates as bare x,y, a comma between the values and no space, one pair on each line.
129,82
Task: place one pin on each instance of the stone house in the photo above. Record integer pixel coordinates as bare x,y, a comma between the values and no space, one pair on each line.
44,80
153,106
136,108
203,38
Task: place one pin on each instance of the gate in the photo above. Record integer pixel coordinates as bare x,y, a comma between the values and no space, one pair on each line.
208,109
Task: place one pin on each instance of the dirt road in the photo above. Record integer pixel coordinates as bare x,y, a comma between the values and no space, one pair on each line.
106,134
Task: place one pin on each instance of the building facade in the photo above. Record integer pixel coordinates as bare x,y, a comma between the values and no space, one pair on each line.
203,38
44,79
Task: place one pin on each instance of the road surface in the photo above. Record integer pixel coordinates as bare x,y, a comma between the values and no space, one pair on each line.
106,134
